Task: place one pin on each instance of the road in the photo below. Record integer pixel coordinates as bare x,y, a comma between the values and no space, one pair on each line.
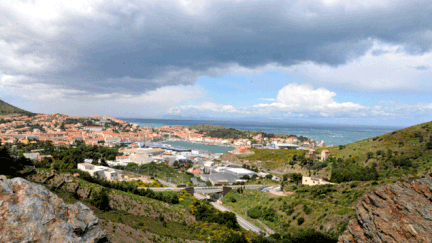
242,222
204,189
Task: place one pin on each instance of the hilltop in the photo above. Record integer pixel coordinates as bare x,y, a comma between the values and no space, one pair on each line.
218,131
404,152
207,127
8,109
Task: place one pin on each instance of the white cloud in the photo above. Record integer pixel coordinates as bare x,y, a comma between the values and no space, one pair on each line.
207,107
383,68
292,100
301,97
164,97
27,88
302,100
268,99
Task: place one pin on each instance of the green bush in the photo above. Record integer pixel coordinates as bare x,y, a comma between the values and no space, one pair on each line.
101,199
300,221
269,214
309,235
307,209
354,184
254,212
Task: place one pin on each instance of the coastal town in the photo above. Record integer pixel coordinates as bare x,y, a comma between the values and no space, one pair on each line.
63,130
144,145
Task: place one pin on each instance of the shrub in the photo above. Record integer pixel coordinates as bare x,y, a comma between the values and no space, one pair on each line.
290,211
300,221
269,214
309,235
402,162
354,184
254,212
101,200
307,209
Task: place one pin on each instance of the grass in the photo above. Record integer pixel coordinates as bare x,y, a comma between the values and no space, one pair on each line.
325,207
164,172
271,158
172,229
409,143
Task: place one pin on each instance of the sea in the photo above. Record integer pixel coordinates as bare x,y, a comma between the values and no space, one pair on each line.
330,134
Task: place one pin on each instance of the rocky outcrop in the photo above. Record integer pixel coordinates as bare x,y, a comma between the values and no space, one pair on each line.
31,213
399,212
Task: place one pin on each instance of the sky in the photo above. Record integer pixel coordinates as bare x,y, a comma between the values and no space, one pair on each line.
355,62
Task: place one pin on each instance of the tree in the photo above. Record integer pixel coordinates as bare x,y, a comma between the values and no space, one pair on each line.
103,162
389,153
101,199
292,163
245,177
296,177
208,183
10,166
300,220
370,155
176,164
379,152
429,144
235,238
254,212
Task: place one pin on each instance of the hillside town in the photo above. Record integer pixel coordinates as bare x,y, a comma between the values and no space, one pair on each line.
64,130
141,145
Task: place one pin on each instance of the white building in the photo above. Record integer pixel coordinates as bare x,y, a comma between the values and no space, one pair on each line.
208,164
100,171
32,156
240,172
85,166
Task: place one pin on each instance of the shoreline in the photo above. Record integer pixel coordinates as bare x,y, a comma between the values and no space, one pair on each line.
200,143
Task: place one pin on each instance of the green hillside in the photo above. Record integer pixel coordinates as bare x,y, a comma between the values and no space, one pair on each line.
357,168
402,152
6,109
207,127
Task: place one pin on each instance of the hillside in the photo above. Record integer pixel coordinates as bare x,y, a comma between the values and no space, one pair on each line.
7,109
402,152
207,127
356,168
218,131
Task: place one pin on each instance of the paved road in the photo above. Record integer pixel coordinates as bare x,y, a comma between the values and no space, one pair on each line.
242,222
214,189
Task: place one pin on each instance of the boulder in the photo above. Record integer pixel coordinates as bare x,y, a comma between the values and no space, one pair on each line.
400,212
31,213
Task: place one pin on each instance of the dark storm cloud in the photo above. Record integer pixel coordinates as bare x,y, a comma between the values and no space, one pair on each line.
135,46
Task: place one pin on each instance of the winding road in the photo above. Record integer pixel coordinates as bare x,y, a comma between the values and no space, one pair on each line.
242,221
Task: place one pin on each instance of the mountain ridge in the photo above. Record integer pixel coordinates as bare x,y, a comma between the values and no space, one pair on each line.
8,109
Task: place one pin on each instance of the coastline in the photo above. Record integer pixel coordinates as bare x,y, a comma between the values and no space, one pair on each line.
331,134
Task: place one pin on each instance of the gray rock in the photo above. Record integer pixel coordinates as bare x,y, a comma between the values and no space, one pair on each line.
401,212
31,213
